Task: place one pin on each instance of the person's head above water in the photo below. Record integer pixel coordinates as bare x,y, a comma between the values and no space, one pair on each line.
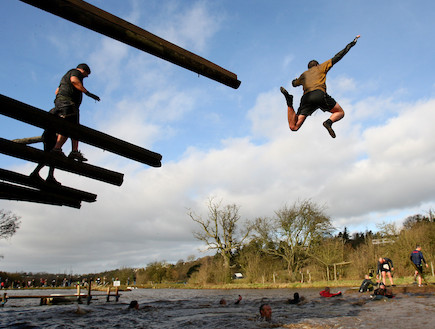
266,311
134,304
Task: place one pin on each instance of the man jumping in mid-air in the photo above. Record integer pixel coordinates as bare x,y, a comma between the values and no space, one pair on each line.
313,82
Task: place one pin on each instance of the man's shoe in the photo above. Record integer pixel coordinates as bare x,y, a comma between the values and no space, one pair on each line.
57,152
77,155
288,97
329,128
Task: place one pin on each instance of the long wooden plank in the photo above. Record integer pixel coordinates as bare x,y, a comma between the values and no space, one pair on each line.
32,154
94,18
18,178
19,193
37,117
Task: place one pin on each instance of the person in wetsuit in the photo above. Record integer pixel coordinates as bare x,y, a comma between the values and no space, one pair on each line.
313,82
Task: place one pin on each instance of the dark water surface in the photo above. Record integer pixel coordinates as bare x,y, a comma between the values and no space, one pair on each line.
186,308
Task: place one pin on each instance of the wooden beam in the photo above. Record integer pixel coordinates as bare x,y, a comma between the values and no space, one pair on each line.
37,117
19,193
96,19
32,154
21,179
29,140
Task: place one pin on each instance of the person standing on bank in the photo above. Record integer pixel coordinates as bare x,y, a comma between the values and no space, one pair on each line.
69,96
313,82
417,259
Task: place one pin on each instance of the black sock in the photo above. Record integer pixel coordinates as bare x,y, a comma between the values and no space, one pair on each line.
329,122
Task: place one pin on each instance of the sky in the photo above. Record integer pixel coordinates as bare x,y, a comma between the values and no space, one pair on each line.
233,145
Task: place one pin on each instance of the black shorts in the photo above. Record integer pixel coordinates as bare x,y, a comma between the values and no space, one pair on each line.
419,268
313,100
67,110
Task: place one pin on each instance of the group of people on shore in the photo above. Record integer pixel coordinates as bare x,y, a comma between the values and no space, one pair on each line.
385,268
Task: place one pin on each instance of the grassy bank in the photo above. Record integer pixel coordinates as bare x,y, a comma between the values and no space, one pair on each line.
240,284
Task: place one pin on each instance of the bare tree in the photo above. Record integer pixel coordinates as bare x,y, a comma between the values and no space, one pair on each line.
292,232
9,224
219,230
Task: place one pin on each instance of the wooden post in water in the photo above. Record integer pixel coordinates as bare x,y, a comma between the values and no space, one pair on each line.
4,298
79,300
108,294
89,297
117,294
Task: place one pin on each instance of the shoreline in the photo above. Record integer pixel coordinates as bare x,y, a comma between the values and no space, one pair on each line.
401,283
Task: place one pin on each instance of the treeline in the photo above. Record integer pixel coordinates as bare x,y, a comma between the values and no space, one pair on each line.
297,243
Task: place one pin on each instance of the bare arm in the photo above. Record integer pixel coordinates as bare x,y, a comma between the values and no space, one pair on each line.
79,86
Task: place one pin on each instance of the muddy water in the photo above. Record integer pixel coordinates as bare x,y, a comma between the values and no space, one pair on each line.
179,308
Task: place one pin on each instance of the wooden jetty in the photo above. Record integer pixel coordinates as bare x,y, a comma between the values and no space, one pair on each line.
56,299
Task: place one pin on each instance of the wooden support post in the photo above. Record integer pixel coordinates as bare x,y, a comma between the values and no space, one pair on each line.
89,297
4,299
32,154
37,117
79,298
96,19
117,294
108,294
335,272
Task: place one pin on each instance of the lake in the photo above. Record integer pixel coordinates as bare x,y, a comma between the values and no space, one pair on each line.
189,308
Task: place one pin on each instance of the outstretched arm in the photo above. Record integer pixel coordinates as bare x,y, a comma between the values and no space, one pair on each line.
341,54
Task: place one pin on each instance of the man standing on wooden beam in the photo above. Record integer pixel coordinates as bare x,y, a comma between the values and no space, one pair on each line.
69,96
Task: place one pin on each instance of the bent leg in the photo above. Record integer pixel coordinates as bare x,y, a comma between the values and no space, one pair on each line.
294,121
337,113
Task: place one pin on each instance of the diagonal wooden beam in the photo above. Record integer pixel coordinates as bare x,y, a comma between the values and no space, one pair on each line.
96,19
32,154
37,117
21,179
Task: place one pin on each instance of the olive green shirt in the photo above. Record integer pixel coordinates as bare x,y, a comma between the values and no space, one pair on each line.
314,78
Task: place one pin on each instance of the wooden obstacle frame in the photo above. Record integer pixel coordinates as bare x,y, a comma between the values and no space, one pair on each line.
19,187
